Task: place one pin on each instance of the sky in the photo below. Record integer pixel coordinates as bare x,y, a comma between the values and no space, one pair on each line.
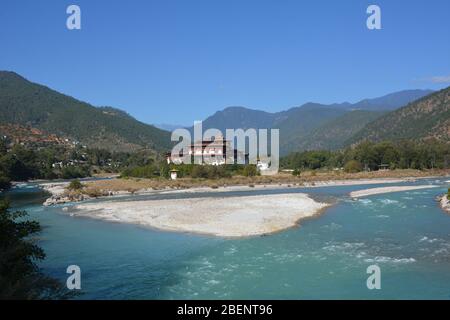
178,61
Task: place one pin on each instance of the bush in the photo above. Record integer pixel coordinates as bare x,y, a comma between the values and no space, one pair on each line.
71,172
75,185
249,170
5,183
199,171
164,171
353,166
148,171
20,276
209,172
95,193
296,172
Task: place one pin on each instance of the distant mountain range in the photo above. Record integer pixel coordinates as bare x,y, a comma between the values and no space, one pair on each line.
35,106
411,114
428,117
314,125
168,127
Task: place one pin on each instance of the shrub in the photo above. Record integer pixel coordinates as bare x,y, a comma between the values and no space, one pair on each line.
249,170
209,172
353,166
71,172
95,193
147,171
199,171
5,183
296,172
21,277
75,185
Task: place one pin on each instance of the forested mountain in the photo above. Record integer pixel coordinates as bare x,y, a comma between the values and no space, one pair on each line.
313,125
425,118
32,105
333,134
390,101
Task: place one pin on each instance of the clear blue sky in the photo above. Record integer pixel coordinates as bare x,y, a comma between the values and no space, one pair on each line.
177,61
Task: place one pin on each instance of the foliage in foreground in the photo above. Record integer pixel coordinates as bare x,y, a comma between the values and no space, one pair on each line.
20,277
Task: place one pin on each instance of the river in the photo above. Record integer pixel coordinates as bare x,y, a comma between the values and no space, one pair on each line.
406,234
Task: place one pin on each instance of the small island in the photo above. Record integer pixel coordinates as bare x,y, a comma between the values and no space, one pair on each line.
445,201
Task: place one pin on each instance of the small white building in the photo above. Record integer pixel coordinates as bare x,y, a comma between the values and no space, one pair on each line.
261,165
173,174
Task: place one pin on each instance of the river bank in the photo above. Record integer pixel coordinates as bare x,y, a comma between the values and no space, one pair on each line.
136,186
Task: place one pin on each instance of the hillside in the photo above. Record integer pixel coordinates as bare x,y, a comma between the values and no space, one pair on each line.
28,104
428,117
333,134
313,125
300,122
239,117
390,101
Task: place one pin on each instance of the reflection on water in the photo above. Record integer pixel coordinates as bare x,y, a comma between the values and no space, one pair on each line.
405,233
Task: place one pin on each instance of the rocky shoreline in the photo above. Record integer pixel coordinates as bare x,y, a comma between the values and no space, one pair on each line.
62,199
445,203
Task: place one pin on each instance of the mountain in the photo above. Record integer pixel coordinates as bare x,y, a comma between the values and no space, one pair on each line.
333,134
297,123
239,117
391,101
313,125
428,117
29,104
168,127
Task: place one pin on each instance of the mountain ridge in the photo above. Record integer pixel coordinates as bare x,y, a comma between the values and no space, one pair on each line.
427,117
299,125
306,127
23,102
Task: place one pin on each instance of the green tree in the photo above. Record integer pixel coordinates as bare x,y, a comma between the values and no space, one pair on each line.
353,166
164,171
5,182
75,185
20,277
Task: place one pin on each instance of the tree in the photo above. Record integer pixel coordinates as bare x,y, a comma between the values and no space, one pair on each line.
3,147
164,171
20,277
75,185
5,182
353,166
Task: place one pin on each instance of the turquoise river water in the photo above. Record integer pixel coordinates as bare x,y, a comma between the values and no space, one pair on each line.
406,234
